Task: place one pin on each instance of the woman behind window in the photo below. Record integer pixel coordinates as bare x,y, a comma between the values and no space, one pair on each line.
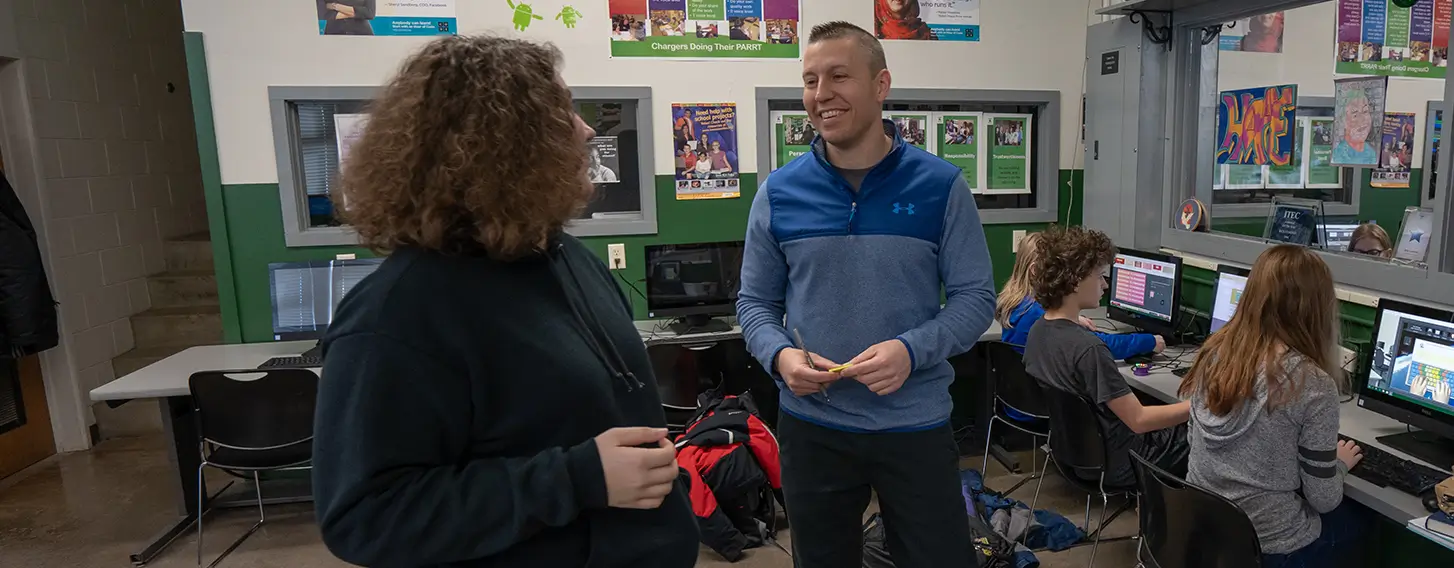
1264,412
486,399
1372,240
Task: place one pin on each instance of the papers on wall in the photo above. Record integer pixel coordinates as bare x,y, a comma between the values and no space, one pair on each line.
1395,152
1376,37
705,149
390,17
926,20
705,29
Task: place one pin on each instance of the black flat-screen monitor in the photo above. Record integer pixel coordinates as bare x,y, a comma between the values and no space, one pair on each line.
306,294
1410,377
1145,291
695,281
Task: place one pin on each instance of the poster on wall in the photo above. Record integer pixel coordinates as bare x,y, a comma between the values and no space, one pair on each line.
1244,176
1395,151
1255,126
793,136
605,160
1321,171
926,20
1258,34
914,127
958,136
706,137
1008,167
1377,37
1291,176
1414,235
387,17
705,29
1357,101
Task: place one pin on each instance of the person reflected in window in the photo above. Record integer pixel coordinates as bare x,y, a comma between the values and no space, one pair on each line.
1353,147
346,17
899,19
1372,240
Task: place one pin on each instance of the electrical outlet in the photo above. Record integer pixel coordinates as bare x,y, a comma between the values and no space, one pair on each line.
616,255
1018,235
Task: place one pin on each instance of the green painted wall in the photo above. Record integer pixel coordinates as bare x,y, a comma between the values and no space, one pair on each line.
254,235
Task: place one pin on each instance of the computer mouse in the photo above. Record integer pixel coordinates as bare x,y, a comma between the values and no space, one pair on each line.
1431,502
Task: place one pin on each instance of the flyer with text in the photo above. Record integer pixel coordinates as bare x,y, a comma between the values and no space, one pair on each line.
1009,153
705,136
926,20
959,137
705,29
387,18
793,136
1395,152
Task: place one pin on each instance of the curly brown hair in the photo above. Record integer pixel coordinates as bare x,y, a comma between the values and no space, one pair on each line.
471,148
1068,255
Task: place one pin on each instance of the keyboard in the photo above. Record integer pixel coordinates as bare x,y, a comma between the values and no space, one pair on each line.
294,362
1387,470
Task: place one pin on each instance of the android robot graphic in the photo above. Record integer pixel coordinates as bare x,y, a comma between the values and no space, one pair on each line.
569,15
523,14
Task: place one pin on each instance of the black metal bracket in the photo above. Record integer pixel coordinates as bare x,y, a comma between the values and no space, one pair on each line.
1157,34
1212,32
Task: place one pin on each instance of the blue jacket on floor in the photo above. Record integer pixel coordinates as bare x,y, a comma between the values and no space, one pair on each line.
1029,311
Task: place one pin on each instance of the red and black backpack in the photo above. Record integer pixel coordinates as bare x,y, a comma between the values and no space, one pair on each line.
730,459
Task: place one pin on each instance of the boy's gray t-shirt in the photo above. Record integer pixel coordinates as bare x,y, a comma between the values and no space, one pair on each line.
1069,357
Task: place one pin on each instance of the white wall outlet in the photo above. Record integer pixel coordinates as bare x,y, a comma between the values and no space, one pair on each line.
1018,235
616,256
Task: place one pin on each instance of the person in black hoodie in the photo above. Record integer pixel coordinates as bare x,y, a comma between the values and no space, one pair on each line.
486,399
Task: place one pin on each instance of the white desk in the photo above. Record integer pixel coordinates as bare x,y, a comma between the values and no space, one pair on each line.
1354,422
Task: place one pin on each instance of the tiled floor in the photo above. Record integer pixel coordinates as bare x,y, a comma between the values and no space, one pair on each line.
93,509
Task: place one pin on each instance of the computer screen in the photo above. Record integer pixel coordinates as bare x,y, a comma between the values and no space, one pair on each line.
1337,236
1144,284
1413,359
693,279
1231,282
306,294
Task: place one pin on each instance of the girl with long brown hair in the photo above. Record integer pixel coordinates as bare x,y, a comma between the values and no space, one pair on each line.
1264,411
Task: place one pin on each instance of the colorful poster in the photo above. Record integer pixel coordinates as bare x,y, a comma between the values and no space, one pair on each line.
958,136
1357,101
706,165
705,29
1321,171
605,160
1258,34
1255,126
793,136
929,20
1377,37
914,127
391,17
1009,153
1395,151
1291,176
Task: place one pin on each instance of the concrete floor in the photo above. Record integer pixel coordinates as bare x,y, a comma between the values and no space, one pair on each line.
93,509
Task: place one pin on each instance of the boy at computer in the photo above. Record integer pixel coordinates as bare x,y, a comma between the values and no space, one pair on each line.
1063,354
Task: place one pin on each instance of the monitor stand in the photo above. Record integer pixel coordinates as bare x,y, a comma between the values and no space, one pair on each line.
698,324
1426,446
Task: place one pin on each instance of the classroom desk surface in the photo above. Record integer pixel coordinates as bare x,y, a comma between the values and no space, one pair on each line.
1354,422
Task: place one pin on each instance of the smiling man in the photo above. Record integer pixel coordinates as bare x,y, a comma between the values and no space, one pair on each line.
849,246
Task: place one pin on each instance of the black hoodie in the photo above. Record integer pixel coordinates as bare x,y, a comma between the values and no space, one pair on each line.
457,410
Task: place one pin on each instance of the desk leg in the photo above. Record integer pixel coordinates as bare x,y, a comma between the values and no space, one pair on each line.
181,432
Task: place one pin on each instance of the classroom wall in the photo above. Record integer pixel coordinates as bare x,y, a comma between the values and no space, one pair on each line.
242,48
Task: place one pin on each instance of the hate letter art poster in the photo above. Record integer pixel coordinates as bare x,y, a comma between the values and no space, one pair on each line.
1395,151
1357,102
931,20
1377,37
705,29
1257,126
706,155
386,17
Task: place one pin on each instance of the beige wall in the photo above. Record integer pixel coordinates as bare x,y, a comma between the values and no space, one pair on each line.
117,160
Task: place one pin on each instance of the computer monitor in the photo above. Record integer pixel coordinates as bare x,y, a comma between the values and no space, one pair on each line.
1145,291
1231,281
1336,236
694,283
1411,378
306,294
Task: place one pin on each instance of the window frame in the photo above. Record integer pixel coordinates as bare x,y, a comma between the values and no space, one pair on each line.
292,192
1046,159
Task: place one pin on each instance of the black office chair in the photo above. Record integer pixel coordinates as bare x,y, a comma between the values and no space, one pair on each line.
1016,391
252,425
1078,448
1185,526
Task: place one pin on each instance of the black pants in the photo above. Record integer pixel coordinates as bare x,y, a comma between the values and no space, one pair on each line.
828,478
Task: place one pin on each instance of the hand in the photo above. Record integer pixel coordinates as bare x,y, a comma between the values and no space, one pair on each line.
1160,344
1442,390
344,10
1349,453
340,16
803,380
637,478
1086,322
1418,386
882,367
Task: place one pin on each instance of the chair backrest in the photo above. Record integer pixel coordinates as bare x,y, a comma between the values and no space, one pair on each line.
1013,386
1185,526
255,409
1076,437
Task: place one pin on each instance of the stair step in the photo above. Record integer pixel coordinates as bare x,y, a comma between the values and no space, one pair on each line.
183,289
177,327
132,361
189,253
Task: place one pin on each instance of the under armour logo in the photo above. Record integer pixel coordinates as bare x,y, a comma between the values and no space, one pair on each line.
909,209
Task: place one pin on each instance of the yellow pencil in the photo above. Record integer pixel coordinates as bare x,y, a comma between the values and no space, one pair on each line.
840,368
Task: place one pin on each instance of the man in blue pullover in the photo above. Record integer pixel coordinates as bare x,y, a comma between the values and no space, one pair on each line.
850,245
